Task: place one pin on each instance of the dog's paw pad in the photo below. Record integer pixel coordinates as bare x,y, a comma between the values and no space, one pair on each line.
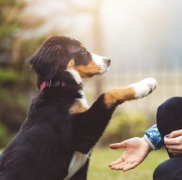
144,87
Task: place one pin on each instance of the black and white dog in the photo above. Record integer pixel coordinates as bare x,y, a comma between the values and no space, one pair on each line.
57,137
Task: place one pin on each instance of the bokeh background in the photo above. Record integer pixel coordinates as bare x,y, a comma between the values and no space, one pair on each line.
142,37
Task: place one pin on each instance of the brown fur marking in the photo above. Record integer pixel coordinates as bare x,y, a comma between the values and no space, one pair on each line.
82,45
118,96
91,68
77,107
71,64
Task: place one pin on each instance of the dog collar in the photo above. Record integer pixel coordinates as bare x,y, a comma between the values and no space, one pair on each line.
49,83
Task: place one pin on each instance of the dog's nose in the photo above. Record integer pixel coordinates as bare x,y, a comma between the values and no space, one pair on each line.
108,61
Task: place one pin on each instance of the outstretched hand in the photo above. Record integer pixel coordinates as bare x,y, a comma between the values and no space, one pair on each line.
136,150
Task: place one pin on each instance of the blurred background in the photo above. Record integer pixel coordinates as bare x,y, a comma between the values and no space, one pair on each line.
142,37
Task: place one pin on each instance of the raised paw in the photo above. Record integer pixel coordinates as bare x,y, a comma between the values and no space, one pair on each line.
144,87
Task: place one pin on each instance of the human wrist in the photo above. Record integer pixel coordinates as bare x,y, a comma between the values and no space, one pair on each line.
150,145
147,144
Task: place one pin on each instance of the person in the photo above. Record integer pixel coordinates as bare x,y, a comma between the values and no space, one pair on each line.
167,132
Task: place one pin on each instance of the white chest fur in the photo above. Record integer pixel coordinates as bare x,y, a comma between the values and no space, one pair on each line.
77,162
78,159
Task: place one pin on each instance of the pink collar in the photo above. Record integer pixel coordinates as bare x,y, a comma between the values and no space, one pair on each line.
49,84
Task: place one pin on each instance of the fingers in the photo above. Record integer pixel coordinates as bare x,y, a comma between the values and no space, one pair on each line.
173,141
118,161
124,166
174,149
117,145
120,164
130,166
175,133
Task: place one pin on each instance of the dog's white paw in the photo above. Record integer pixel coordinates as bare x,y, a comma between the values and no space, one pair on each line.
144,87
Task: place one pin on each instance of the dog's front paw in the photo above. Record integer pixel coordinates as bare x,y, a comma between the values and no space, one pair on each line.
144,87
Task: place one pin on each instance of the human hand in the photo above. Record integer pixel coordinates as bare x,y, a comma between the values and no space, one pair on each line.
173,142
136,151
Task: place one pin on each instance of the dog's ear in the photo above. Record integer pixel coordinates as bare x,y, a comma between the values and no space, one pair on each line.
46,60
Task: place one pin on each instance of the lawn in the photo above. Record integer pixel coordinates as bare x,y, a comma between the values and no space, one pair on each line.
100,159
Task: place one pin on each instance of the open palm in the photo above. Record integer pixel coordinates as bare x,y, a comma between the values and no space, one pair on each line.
136,150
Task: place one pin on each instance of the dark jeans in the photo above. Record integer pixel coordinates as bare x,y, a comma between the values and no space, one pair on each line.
169,118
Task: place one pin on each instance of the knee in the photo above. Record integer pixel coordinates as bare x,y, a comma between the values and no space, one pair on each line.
158,173
167,108
162,172
168,105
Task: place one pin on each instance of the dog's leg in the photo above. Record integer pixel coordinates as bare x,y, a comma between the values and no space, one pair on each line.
134,91
90,125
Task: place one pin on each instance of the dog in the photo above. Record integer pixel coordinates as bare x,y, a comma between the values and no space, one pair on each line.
57,137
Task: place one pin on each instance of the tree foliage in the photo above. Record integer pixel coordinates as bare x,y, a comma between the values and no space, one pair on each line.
123,126
16,79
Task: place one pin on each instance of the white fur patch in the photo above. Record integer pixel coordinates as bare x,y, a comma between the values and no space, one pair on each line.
78,159
75,75
83,100
144,87
99,61
77,162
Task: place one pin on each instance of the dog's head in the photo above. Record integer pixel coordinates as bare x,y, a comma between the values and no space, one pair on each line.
65,59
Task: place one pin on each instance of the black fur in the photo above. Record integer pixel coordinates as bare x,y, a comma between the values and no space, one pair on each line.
48,138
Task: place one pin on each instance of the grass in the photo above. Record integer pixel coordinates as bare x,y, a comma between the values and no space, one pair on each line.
100,159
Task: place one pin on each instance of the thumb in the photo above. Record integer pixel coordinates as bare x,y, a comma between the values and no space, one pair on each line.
175,134
117,145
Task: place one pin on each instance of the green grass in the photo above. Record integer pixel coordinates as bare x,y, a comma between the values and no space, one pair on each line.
100,159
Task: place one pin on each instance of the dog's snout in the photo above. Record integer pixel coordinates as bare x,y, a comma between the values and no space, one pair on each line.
107,61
